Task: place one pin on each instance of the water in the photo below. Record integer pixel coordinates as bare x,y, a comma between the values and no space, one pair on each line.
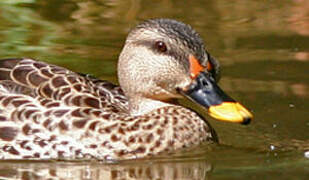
263,47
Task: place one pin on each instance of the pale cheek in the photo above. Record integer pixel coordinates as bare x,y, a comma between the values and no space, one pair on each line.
173,79
184,82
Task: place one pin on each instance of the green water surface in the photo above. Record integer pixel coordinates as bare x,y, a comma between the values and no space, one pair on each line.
263,47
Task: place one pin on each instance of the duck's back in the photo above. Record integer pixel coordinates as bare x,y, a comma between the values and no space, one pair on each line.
41,80
36,97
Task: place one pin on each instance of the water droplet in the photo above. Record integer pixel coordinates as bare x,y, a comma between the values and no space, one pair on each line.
306,154
291,105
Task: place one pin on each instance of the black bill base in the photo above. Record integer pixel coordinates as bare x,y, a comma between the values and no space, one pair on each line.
207,93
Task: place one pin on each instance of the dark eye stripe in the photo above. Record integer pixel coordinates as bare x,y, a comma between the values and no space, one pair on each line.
172,51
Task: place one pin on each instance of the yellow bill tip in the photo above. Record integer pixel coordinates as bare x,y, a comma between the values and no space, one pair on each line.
231,112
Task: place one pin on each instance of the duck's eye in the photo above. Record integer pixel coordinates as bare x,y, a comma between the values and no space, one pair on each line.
160,46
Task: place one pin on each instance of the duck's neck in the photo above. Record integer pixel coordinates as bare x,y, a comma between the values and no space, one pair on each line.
141,106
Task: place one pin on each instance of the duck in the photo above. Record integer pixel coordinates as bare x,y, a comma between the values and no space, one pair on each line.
50,112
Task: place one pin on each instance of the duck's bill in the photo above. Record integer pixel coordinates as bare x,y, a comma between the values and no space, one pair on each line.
207,93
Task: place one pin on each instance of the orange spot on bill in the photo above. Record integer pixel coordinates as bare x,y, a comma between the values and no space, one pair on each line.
195,67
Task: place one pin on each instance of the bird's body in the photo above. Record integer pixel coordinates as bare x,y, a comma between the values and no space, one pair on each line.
49,112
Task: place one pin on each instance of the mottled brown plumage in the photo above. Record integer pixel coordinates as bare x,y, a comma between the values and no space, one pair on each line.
51,112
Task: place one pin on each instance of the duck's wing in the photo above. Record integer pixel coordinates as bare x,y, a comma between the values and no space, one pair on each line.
46,110
49,82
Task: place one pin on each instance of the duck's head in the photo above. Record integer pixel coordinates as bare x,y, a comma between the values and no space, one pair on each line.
164,59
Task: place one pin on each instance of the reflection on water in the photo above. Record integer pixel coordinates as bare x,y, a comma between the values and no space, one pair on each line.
263,47
96,171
